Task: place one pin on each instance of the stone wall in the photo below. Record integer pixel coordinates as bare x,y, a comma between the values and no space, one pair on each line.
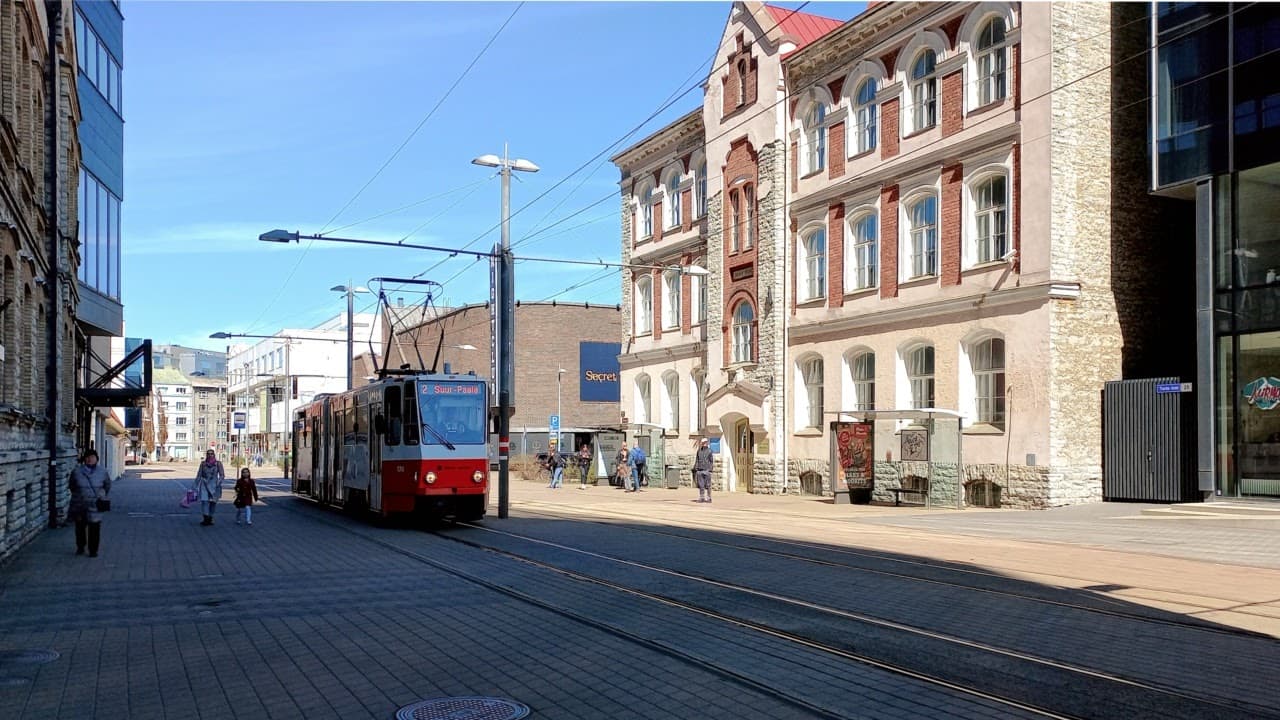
1085,342
771,471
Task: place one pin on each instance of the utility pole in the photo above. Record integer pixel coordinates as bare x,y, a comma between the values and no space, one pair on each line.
506,324
351,295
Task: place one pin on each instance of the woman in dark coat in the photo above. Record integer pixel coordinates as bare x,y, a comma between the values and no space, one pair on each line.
89,483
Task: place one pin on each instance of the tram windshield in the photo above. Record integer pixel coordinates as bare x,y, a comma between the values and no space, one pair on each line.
455,411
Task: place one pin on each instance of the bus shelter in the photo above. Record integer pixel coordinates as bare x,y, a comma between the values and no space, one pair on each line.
911,455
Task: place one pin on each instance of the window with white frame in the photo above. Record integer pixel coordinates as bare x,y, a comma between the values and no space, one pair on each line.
991,218
924,91
743,331
749,204
671,401
922,223
671,299
809,412
646,212
864,252
864,116
673,200
698,393
992,62
862,378
986,358
815,138
813,265
644,306
700,189
642,398
697,299
735,221
920,376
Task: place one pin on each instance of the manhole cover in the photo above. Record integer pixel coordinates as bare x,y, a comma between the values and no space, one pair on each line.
27,657
463,708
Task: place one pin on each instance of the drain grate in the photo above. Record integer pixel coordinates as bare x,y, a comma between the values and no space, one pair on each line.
28,657
463,708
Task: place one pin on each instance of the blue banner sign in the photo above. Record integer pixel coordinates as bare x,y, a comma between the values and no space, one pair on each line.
238,420
598,363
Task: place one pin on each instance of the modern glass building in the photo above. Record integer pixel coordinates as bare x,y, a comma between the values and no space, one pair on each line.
1215,133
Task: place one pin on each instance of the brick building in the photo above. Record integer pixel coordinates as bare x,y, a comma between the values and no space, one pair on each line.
548,338
916,211
39,154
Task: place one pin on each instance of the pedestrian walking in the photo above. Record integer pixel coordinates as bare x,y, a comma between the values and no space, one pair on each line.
702,464
246,495
90,483
634,471
622,467
208,485
639,461
584,464
555,462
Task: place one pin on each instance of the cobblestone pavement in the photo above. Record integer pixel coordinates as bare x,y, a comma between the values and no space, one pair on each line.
312,614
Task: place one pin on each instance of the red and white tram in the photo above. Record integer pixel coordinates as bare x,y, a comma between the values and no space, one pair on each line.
414,443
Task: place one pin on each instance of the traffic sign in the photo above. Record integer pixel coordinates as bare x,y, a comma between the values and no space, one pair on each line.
554,423
238,420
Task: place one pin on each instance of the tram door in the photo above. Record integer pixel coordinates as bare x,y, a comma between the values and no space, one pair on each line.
744,459
375,454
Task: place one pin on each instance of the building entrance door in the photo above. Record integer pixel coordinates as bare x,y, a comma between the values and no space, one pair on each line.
743,455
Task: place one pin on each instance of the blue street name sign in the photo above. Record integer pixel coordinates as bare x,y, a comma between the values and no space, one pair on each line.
1162,388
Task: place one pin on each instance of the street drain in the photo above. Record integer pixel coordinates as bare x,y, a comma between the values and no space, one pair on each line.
463,708
27,657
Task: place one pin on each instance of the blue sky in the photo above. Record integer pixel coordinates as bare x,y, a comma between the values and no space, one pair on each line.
242,117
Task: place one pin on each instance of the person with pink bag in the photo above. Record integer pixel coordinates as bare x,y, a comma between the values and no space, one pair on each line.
208,485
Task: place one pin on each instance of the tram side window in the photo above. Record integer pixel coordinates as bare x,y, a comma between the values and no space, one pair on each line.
411,415
395,423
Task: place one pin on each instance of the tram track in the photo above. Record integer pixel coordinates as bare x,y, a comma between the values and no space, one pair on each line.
1012,705
1199,626
1222,707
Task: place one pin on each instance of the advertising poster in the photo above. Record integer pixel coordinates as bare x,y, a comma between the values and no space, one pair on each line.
855,454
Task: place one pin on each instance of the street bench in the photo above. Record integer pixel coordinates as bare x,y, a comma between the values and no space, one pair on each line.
911,485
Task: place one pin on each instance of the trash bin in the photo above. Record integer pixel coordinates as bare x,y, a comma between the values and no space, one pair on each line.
673,477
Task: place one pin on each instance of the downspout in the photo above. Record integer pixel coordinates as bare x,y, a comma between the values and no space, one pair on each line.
53,276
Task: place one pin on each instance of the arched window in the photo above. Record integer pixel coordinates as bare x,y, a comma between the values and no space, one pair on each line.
813,265
698,393
646,211
992,62
920,375
742,83
924,91
644,306
735,221
863,252
671,401
673,200
809,408
642,398
671,300
743,333
749,204
862,378
922,219
864,115
815,137
986,358
991,218
700,189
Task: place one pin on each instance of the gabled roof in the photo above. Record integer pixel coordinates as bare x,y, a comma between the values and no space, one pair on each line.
804,28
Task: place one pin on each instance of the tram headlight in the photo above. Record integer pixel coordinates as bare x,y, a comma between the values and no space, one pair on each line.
431,478
477,476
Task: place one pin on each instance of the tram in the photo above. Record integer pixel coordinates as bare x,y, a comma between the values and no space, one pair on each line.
411,443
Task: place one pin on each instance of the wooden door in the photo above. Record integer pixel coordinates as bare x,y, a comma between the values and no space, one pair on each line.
744,459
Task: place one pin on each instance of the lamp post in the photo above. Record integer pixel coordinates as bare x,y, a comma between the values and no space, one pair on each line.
505,340
560,420
351,291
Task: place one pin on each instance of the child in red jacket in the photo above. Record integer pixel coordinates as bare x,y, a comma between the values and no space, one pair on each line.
246,496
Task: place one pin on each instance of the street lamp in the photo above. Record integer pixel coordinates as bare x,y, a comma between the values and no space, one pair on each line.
505,297
350,291
559,420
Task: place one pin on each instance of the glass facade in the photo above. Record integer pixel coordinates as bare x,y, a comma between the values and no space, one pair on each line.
99,236
1215,133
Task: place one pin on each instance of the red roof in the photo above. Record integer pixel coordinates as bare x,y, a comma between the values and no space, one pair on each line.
804,27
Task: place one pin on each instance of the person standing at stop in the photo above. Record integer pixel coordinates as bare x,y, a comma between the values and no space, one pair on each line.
702,465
